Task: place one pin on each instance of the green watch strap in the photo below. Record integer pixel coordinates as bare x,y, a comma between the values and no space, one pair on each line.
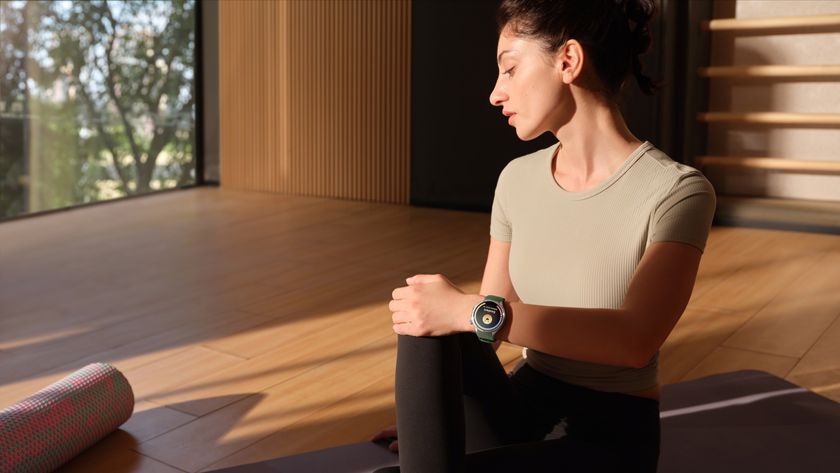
488,337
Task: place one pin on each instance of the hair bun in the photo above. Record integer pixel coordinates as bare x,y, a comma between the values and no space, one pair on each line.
638,14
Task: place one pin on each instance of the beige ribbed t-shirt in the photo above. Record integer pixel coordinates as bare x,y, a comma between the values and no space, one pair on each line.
580,249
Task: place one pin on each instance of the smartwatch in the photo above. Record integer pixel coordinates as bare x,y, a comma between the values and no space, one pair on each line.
488,316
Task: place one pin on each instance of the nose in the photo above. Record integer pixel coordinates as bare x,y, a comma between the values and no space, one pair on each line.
497,96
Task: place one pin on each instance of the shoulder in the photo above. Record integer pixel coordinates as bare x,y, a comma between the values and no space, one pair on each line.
671,177
526,166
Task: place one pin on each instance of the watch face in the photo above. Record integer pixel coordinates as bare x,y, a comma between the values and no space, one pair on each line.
488,316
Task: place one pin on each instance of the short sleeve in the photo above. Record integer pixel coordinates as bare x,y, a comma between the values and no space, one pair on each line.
685,214
500,225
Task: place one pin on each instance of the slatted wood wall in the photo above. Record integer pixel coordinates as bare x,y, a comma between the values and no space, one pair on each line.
314,97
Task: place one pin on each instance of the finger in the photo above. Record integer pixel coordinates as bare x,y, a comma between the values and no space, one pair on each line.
397,305
423,279
400,317
400,293
403,329
416,279
390,431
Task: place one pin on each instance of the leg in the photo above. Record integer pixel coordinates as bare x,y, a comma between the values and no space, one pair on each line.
499,422
430,414
452,396
563,455
623,424
607,432
494,411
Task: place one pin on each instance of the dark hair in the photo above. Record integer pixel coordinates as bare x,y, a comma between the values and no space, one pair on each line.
613,33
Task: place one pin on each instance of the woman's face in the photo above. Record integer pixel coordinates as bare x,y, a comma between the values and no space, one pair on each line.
530,87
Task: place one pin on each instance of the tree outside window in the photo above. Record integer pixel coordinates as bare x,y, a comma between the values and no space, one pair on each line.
97,101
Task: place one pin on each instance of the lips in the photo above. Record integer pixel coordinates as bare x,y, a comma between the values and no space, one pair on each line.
510,118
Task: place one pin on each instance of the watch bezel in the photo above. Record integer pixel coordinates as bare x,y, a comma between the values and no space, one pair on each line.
498,324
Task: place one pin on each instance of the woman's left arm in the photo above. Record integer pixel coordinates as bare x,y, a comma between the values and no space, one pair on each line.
629,336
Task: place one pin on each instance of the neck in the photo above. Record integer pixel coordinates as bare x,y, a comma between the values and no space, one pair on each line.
595,142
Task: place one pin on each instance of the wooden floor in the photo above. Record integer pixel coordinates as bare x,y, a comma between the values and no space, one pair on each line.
254,325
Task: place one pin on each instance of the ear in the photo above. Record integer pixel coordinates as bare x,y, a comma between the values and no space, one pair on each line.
569,61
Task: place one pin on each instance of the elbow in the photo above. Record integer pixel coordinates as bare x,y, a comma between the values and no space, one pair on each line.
629,357
641,344
639,362
639,355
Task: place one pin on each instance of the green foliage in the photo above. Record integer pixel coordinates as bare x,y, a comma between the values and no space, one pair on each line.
110,97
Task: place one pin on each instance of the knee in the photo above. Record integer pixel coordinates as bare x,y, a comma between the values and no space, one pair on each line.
427,350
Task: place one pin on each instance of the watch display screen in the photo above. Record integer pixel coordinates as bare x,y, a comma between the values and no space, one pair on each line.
488,315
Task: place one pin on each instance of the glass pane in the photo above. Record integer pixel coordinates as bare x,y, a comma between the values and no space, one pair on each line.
97,101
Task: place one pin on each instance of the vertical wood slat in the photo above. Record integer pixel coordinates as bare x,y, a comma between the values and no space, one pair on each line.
314,98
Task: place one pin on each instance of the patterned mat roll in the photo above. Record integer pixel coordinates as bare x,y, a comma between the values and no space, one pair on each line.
45,430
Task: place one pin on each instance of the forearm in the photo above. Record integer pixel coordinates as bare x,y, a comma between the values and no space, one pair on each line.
606,336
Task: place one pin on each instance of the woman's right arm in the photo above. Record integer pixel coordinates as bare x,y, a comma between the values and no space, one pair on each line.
496,280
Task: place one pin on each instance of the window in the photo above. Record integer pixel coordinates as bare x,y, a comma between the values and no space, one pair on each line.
97,101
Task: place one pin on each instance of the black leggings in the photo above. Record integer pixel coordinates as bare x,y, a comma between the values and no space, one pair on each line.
458,411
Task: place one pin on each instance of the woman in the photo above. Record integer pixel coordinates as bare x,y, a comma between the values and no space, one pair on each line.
595,244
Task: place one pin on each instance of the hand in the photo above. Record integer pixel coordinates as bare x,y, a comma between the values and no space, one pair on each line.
388,437
431,306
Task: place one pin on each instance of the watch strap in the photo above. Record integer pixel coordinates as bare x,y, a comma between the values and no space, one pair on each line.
488,337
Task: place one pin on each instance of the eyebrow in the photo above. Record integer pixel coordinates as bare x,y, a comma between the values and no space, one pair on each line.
499,59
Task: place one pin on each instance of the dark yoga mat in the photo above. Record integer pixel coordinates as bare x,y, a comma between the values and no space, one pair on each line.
747,421
735,422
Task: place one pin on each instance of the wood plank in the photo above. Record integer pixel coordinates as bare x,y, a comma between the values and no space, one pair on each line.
299,353
115,453
228,430
309,310
150,420
280,330
132,355
49,355
35,327
771,70
822,216
697,334
824,355
724,359
825,383
766,163
509,354
166,375
771,23
771,118
772,266
727,250
355,419
798,316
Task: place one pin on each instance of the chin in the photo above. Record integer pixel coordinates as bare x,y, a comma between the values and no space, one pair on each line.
527,135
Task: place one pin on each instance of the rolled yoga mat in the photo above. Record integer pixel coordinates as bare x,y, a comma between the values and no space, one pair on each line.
45,430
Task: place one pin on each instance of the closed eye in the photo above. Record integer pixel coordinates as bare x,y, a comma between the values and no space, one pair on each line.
509,72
